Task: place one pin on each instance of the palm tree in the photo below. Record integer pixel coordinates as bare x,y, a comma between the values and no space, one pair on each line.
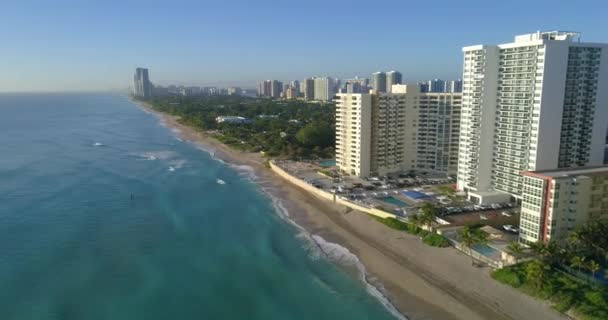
428,214
469,237
593,267
415,220
515,248
577,262
536,272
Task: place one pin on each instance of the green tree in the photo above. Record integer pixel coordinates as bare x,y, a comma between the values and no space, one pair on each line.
316,134
594,267
577,262
415,220
471,236
536,272
515,248
428,214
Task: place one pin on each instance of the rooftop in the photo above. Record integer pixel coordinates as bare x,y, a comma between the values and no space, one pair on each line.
566,172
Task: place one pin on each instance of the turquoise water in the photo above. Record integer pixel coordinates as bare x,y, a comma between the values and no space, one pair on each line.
486,250
328,163
395,201
75,245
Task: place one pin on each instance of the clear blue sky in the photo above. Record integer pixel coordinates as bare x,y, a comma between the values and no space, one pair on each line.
95,45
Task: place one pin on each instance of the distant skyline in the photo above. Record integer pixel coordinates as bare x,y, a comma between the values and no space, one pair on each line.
70,45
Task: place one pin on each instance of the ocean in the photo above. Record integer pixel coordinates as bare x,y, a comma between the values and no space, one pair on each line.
107,214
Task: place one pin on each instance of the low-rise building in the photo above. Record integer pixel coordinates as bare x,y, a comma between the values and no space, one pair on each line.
232,120
555,202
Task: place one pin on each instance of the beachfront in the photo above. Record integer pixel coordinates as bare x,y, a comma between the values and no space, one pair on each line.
422,282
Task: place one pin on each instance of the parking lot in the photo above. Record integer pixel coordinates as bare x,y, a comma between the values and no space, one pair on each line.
403,194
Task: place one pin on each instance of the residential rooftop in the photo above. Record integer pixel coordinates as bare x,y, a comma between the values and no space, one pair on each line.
567,172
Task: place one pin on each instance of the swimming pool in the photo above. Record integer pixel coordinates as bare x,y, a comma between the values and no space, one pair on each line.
486,250
328,163
394,201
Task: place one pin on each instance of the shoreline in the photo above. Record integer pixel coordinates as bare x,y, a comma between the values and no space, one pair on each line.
419,281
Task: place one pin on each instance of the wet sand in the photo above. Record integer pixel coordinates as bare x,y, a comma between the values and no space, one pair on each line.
420,281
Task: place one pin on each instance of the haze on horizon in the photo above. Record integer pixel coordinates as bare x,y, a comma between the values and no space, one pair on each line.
74,46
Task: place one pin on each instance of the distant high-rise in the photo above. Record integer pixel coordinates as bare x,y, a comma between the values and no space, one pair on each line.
453,86
324,88
276,88
538,103
436,85
296,85
392,78
379,82
141,83
265,88
309,88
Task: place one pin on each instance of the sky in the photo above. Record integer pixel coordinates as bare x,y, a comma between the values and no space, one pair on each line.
90,45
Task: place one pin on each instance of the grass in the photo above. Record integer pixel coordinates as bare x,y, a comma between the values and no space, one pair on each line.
566,293
429,238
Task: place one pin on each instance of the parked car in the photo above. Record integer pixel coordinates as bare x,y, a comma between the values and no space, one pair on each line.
510,228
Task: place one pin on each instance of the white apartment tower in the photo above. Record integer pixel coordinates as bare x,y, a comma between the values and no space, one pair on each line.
353,133
538,103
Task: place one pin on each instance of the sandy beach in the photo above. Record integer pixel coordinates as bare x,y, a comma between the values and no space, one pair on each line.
422,282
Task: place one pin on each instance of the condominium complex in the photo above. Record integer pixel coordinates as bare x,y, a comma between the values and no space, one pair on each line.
556,201
379,133
538,103
141,83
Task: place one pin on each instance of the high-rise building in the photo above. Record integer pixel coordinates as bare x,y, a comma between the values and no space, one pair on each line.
276,88
538,103
453,86
436,85
296,85
324,89
353,133
379,133
141,83
379,82
556,201
265,88
234,91
392,78
309,88
291,93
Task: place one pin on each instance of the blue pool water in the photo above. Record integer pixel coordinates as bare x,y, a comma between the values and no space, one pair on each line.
395,201
329,163
105,214
486,250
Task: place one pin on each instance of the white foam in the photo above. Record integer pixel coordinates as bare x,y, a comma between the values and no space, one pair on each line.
321,248
220,181
157,155
177,163
171,169
245,170
98,144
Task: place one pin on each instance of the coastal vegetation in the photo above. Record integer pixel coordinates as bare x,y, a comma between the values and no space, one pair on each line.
288,129
429,238
572,274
